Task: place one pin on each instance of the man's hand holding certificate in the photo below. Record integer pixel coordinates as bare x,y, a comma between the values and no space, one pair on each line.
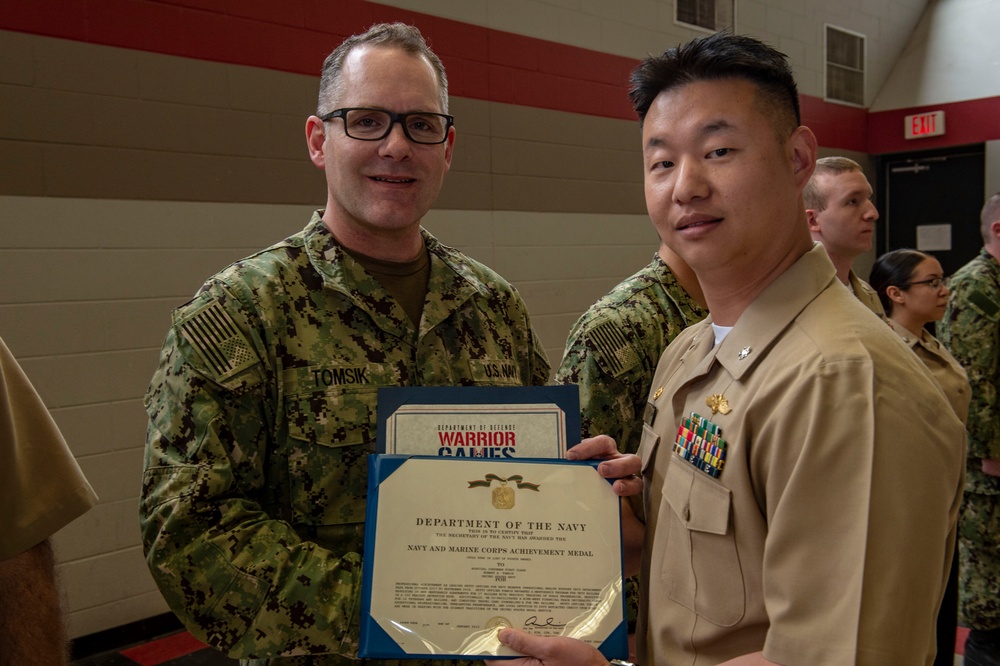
458,549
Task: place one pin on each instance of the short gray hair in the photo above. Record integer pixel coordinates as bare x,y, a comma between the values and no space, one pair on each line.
394,35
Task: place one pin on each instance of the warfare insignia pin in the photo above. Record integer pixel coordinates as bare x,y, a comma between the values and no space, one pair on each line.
744,353
718,404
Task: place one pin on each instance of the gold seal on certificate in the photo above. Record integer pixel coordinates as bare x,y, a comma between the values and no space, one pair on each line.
529,544
498,623
503,497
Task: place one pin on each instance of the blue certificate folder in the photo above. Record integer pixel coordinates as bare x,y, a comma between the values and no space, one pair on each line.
493,398
392,632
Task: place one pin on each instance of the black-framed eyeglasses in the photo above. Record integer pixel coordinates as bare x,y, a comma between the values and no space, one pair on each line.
933,283
375,124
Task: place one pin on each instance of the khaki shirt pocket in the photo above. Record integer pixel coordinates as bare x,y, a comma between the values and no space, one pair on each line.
701,565
331,433
648,443
647,447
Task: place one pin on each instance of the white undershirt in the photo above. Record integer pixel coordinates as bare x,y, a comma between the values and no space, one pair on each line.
721,332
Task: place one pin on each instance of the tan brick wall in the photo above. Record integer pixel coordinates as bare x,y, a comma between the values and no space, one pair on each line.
127,177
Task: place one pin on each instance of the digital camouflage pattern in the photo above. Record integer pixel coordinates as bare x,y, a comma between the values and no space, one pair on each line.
971,329
979,568
612,352
613,348
261,414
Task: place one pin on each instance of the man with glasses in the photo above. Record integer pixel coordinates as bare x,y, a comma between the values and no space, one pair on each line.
263,407
842,217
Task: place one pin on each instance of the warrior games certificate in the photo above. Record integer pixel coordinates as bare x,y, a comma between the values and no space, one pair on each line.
457,549
479,421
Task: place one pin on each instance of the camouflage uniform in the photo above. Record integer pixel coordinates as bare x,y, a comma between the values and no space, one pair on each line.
612,352
261,414
971,329
613,349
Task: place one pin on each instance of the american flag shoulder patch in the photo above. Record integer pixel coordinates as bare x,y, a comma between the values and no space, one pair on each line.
218,341
614,350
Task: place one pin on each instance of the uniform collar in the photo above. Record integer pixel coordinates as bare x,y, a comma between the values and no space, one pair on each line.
451,282
992,261
856,284
689,309
925,339
769,314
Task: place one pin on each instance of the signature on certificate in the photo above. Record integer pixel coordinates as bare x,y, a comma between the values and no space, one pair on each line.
549,622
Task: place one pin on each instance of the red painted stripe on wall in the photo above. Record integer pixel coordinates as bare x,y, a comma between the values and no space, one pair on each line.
973,121
296,35
835,125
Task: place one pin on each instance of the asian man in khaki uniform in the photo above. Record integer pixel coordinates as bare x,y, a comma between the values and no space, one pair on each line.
801,480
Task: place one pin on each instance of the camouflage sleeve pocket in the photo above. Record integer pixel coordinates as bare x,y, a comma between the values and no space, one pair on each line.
164,484
234,598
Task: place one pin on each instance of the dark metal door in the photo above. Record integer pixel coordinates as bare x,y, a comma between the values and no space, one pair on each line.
933,199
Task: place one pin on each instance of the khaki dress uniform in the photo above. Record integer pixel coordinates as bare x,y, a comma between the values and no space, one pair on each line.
41,486
950,375
829,526
866,294
953,381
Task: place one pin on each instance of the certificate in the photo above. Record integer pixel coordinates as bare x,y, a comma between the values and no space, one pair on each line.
457,549
479,421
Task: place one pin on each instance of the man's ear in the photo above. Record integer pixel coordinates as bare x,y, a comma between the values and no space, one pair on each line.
316,141
812,217
449,149
804,148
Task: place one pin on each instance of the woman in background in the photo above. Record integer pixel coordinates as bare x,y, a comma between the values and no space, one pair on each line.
914,293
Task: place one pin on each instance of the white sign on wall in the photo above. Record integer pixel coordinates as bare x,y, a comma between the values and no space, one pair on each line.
931,237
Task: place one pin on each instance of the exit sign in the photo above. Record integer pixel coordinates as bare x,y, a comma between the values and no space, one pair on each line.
921,125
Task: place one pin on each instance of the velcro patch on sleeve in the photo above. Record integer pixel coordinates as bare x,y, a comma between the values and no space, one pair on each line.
983,304
221,345
615,353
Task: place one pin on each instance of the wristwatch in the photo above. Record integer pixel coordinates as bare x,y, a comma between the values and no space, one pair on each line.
619,662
